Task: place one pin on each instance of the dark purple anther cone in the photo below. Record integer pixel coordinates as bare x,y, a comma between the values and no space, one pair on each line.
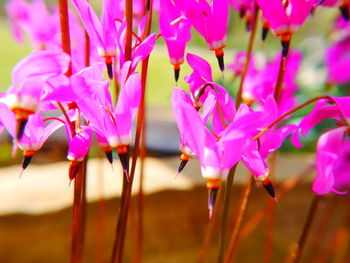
247,26
176,74
269,188
212,193
110,70
124,159
182,166
264,33
285,48
20,126
242,12
344,11
109,156
26,161
221,62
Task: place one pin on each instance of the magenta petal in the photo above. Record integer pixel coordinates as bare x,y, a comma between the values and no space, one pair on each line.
143,50
200,66
79,145
328,148
253,160
7,118
300,11
40,63
91,23
274,12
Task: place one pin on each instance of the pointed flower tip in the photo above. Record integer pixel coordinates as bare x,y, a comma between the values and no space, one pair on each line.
110,71
219,53
264,34
26,160
212,194
21,173
210,213
285,42
109,156
123,153
184,161
344,11
269,188
176,74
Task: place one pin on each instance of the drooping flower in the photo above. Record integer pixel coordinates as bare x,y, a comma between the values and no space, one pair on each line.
176,34
102,33
34,18
29,78
211,21
259,84
338,61
285,17
79,145
35,133
219,151
332,155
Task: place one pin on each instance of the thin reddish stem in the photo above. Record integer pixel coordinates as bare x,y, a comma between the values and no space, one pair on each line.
299,246
249,55
226,209
54,118
281,73
76,225
64,25
242,208
128,34
210,227
118,248
281,118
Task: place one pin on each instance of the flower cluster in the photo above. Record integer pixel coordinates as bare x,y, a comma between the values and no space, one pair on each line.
213,128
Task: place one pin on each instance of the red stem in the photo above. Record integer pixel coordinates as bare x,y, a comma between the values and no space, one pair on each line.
64,25
249,54
242,208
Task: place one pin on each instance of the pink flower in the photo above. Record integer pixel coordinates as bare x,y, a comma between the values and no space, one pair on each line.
102,33
29,78
332,156
175,35
338,60
79,145
259,84
35,19
285,17
210,20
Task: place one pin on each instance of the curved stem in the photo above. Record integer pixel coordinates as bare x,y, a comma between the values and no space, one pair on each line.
291,112
299,246
229,257
281,72
225,213
71,124
249,54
